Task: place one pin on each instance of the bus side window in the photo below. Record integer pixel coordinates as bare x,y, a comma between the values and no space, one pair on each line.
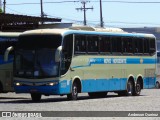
146,46
77,45
116,45
138,45
135,46
80,44
105,44
127,45
92,43
66,53
152,46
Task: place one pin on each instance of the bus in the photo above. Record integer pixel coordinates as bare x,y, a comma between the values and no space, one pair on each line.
68,62
158,71
7,41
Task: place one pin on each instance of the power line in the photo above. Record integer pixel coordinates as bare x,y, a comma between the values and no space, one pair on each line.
67,19
129,2
14,10
144,2
43,3
95,22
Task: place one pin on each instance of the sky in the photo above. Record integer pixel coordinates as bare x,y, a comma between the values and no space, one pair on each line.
115,13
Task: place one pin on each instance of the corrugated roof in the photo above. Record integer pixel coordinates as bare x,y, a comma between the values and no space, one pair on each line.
14,22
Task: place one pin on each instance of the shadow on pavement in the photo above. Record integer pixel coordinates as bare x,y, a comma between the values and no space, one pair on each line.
22,100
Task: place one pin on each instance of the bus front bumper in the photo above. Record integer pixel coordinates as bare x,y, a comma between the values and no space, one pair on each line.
49,89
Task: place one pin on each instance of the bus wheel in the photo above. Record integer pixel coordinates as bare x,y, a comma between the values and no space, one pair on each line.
36,97
130,88
74,94
137,89
157,85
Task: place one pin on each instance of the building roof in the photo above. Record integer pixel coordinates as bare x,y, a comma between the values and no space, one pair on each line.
150,30
14,22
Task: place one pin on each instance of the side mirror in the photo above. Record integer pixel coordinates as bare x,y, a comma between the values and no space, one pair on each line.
58,54
6,54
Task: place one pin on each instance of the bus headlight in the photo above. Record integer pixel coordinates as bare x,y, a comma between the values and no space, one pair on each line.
52,83
18,84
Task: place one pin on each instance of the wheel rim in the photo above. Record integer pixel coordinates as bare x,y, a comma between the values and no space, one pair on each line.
130,88
138,88
157,85
74,91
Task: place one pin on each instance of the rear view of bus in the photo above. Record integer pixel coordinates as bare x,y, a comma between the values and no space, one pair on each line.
7,41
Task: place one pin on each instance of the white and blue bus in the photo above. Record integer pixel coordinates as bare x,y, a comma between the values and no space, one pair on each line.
7,41
68,62
158,70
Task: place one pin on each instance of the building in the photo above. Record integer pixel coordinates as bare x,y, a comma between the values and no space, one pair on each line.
14,22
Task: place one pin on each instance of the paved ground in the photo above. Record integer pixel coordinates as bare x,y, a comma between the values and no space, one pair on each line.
149,100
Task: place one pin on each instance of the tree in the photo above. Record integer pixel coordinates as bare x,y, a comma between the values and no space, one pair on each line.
1,10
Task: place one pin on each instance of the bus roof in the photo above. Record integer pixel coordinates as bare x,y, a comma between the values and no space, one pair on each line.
9,34
70,31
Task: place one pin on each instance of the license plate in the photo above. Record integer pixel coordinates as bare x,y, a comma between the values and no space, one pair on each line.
33,90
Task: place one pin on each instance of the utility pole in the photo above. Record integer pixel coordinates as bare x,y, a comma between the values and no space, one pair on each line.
42,14
4,6
84,9
101,17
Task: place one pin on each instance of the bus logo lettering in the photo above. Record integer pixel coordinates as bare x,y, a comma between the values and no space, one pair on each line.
119,61
107,61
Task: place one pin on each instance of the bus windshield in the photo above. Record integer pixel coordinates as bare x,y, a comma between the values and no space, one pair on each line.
37,59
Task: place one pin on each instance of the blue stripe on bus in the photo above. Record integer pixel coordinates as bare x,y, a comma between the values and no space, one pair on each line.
93,61
116,84
89,85
92,85
122,61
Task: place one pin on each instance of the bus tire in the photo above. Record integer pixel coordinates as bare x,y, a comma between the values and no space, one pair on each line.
138,88
74,94
157,85
36,97
130,88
